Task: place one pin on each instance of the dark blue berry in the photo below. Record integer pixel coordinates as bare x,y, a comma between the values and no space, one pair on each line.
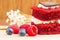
22,32
9,31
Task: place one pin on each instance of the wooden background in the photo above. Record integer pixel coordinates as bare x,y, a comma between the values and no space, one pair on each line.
23,5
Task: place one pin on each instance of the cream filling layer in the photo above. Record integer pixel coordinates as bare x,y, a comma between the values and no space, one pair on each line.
37,21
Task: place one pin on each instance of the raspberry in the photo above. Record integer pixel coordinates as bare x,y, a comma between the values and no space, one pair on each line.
32,30
25,26
15,28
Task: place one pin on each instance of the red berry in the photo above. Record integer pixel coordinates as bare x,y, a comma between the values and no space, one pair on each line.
15,28
32,30
25,26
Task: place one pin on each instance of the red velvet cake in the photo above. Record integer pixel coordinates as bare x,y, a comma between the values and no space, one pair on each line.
41,17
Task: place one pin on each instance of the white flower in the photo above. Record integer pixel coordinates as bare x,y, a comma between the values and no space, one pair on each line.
15,17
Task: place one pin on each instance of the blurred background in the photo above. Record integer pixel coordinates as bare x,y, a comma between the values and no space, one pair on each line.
23,5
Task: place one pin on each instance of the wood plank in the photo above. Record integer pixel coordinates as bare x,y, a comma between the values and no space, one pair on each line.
23,5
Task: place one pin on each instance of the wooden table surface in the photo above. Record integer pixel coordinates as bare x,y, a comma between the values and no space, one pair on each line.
4,36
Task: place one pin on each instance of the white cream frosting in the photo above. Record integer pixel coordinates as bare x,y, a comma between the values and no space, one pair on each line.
40,5
37,21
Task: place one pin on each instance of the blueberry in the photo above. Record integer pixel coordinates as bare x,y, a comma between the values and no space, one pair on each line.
22,32
9,31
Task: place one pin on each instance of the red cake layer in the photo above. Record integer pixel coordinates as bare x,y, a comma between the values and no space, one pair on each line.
46,14
51,28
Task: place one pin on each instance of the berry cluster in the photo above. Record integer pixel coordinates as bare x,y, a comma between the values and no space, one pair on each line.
31,30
